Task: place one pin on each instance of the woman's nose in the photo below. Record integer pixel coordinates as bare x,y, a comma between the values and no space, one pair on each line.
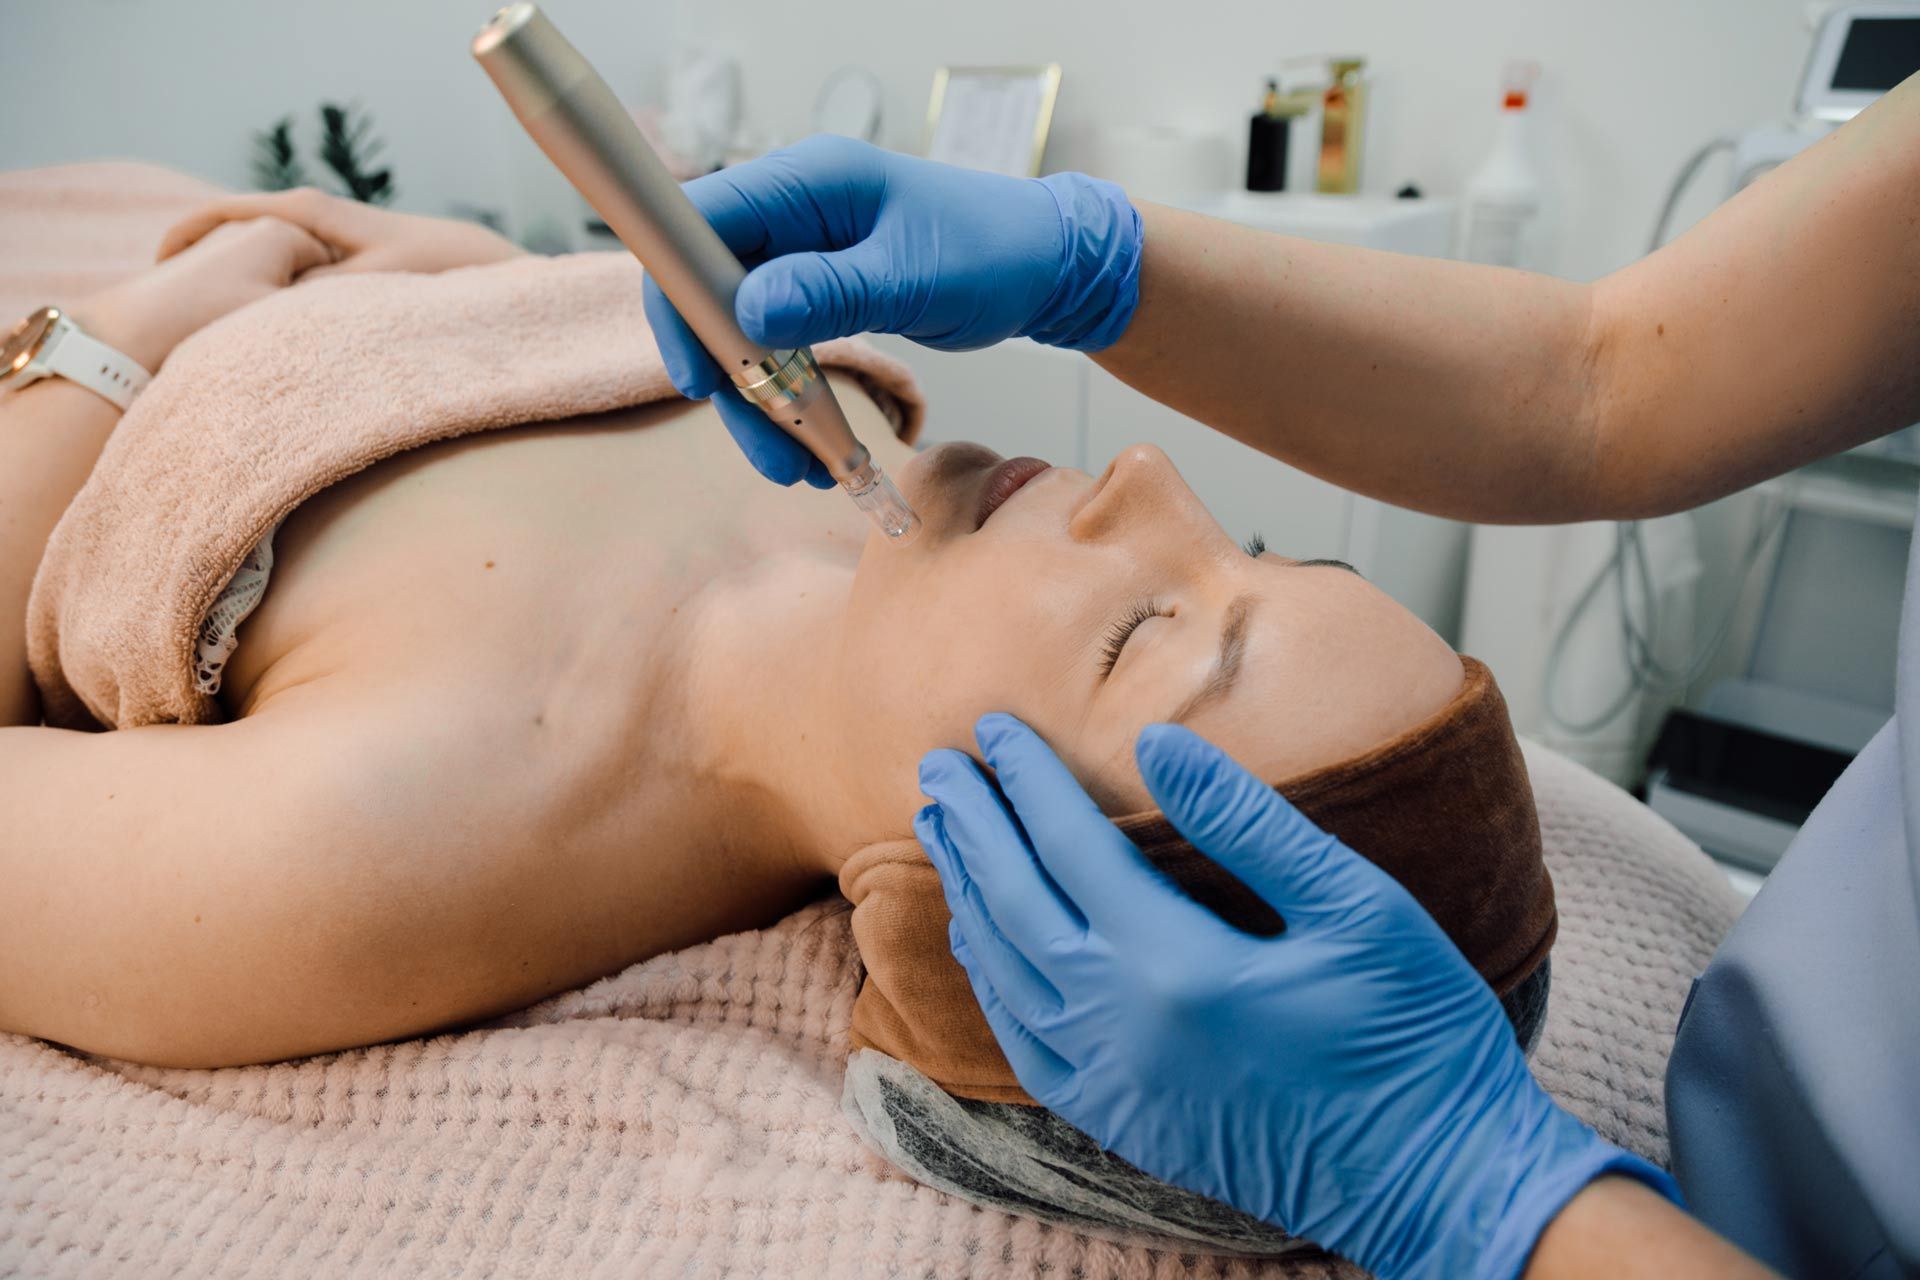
1141,491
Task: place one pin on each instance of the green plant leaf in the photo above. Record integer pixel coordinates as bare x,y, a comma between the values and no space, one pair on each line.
276,166
348,150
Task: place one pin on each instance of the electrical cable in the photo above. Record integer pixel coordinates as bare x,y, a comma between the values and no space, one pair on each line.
1681,181
1645,673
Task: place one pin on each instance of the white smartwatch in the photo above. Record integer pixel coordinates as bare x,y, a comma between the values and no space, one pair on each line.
49,344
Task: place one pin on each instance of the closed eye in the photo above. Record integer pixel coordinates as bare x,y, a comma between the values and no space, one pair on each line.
1121,631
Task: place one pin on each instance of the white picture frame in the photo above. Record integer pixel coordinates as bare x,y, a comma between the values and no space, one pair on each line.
992,118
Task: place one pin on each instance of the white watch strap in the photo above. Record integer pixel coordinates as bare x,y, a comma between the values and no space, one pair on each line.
73,354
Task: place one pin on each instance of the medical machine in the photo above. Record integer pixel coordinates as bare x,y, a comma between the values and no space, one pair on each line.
571,113
1858,53
1742,769
1598,630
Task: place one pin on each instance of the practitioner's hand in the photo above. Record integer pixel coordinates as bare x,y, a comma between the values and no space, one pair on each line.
1352,1080
147,315
845,238
360,236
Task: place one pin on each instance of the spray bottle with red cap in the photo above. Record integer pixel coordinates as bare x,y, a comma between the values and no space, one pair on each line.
1500,210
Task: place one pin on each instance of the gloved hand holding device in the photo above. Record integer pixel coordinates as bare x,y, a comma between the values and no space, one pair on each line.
846,238
1352,1080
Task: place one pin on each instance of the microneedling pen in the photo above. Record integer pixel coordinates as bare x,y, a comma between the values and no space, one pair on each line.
569,110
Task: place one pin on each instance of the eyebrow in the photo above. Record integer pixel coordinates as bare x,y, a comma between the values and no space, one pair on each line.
1226,669
1233,645
1328,563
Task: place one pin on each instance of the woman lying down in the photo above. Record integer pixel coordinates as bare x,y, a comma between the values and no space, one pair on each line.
450,661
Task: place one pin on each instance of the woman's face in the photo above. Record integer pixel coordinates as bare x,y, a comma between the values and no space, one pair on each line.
1090,608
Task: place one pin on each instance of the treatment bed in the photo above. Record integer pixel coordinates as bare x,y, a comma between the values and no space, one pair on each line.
683,1117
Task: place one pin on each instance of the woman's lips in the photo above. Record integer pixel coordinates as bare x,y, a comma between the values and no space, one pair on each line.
1004,481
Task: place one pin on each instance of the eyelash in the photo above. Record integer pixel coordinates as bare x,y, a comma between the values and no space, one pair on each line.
1118,633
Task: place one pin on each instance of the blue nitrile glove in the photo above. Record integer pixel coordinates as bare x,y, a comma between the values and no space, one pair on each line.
845,238
1352,1080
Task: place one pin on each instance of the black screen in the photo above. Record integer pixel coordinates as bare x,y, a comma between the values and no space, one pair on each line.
1761,772
1879,54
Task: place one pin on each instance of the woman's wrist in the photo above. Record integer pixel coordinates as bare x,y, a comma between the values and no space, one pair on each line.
110,318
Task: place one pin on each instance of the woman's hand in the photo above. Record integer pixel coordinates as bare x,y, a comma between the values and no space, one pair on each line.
362,237
148,315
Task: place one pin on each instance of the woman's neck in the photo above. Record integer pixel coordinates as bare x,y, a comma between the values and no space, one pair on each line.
762,711
760,714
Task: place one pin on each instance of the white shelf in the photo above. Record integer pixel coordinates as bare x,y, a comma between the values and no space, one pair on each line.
1876,495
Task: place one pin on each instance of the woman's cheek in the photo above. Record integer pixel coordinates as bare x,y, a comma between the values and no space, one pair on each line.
964,675
990,629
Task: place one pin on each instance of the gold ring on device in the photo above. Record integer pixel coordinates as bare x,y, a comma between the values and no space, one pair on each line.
779,379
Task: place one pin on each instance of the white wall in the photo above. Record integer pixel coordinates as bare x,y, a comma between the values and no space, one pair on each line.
1631,85
187,82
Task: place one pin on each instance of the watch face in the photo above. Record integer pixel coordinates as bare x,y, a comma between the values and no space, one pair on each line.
19,347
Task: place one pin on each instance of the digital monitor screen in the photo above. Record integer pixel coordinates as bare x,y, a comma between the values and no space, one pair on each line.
1760,772
1879,54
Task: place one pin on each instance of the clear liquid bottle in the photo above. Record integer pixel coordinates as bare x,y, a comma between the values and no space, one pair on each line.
1500,210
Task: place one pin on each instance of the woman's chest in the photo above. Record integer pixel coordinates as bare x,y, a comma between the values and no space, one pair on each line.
553,556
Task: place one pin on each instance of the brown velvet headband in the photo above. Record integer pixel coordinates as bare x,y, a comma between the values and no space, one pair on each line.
1445,808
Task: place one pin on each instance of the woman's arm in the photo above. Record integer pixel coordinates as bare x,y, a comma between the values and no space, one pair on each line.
166,893
52,432
210,895
361,236
364,856
1782,328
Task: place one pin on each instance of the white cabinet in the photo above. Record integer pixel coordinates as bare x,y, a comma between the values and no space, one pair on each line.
1018,397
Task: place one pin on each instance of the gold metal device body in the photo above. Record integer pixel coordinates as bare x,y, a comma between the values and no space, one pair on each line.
577,121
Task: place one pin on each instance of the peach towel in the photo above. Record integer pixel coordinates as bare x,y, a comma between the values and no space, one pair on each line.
261,410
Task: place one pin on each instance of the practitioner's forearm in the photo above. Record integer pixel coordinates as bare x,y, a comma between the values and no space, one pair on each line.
1458,389
50,435
1617,1229
1780,329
